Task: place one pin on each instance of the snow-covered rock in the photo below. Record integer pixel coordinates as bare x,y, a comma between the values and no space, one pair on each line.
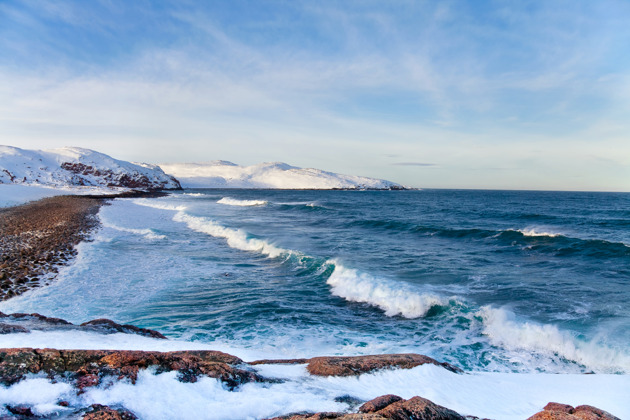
73,166
276,175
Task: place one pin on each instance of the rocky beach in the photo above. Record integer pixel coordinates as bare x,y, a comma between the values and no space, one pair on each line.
38,237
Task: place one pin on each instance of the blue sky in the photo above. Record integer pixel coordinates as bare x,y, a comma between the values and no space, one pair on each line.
461,94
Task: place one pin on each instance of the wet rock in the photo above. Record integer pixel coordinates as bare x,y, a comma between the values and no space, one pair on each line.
351,366
89,366
553,406
11,329
557,411
20,410
418,408
379,403
108,325
103,412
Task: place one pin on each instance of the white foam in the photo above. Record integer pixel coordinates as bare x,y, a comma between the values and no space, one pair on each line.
147,233
533,232
505,331
393,298
37,393
158,204
242,203
161,396
236,238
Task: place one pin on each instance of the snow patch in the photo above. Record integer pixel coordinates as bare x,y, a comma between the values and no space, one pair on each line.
274,175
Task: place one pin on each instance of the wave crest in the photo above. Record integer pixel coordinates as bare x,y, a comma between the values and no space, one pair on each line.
243,203
236,238
503,330
394,299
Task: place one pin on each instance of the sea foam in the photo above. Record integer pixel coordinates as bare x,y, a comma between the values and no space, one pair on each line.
162,396
242,203
394,299
236,238
504,330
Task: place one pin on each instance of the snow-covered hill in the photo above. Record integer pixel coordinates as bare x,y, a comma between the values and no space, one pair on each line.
73,166
222,174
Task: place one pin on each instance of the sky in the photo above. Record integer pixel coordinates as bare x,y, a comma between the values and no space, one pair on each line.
433,94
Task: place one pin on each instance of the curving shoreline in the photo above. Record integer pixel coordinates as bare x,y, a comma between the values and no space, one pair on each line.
39,237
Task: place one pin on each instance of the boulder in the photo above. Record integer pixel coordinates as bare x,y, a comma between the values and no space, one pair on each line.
352,366
103,324
557,411
11,329
89,366
418,408
379,403
103,412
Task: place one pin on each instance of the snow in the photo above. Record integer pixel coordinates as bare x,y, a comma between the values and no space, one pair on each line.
73,166
275,175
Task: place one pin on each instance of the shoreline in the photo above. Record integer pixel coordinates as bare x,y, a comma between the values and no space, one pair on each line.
54,226
39,237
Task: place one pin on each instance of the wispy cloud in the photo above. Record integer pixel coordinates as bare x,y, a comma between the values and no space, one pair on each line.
413,164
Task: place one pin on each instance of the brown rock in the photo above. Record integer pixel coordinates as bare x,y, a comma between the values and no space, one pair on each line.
20,410
12,329
111,326
557,411
553,415
379,403
554,406
89,365
87,380
103,412
350,366
588,412
418,408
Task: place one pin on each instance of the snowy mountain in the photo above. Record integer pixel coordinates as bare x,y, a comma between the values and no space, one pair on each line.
73,166
277,175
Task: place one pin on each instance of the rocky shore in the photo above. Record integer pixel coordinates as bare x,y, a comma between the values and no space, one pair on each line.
87,369
37,238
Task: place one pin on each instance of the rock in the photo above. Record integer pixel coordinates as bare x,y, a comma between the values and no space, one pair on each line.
41,318
352,366
387,407
418,408
103,412
111,326
323,416
20,410
553,406
10,329
588,412
379,403
557,411
89,366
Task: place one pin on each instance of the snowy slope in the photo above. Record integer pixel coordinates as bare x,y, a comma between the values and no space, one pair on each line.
73,166
222,174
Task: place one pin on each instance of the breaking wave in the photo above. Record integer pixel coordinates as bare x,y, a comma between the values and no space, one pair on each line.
236,238
503,330
394,299
147,233
243,203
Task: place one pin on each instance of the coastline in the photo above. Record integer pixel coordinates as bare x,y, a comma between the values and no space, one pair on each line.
80,213
38,237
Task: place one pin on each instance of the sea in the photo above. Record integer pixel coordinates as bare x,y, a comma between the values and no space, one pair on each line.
528,292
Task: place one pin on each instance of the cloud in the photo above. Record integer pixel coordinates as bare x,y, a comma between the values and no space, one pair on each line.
413,164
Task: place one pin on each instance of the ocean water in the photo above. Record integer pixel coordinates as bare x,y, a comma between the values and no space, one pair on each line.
523,284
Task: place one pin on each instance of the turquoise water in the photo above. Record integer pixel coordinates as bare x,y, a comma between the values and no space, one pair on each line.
487,280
